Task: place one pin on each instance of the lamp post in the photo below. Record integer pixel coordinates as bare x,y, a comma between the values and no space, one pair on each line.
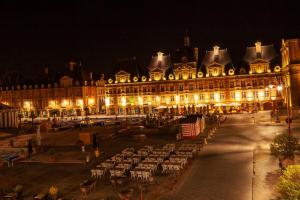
279,88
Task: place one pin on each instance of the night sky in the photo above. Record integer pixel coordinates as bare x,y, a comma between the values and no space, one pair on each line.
36,34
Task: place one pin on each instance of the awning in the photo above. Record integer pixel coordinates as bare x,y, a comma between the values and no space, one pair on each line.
161,107
200,105
234,104
220,104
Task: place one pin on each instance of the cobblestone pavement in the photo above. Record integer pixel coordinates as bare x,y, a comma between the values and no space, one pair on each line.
224,169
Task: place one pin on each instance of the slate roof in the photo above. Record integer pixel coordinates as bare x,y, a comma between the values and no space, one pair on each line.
223,58
185,51
163,65
129,65
268,53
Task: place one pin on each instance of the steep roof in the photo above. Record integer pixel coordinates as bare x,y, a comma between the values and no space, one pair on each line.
163,65
184,52
223,58
129,65
268,53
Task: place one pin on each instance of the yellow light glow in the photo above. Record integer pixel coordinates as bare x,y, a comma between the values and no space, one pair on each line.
279,88
238,96
79,102
196,98
186,100
107,102
217,96
157,98
5,103
65,103
91,101
261,95
177,100
273,98
27,105
250,96
123,101
140,100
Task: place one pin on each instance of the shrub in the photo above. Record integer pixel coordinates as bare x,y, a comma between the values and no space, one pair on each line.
284,145
289,183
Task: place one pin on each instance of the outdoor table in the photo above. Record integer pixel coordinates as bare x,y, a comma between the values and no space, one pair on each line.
129,149
117,171
108,164
186,153
124,165
87,185
40,196
127,162
101,169
11,195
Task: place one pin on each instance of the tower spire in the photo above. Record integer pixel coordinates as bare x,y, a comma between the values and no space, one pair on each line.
186,39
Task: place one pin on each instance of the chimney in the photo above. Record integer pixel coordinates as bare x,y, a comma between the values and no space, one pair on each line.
72,65
258,49
216,50
46,70
159,56
91,75
196,54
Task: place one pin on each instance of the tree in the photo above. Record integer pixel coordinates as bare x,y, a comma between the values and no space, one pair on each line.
289,183
284,145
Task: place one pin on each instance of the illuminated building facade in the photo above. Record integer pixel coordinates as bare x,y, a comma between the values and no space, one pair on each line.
181,83
72,92
175,83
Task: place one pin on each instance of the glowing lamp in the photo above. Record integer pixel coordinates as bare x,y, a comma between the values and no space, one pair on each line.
79,102
107,102
177,99
261,95
279,88
91,101
140,101
123,101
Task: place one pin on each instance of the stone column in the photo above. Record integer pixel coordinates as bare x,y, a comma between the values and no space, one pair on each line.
5,119
1,119
9,124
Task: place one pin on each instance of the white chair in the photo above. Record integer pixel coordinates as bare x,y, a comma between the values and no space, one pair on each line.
139,175
112,173
93,172
133,175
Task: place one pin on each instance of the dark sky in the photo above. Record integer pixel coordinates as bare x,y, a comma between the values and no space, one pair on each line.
35,34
